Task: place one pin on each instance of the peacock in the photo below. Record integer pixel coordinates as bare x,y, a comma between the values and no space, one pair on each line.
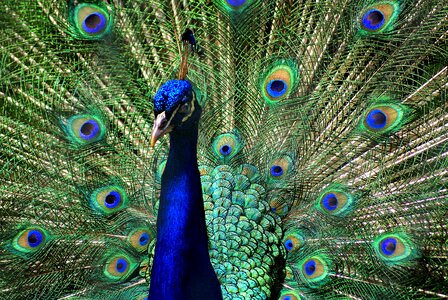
224,149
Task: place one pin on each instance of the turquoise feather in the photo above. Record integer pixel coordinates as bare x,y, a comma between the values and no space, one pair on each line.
321,146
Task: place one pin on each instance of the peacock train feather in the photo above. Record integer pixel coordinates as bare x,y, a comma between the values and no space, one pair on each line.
322,146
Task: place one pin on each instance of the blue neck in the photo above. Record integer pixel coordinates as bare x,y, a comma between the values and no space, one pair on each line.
182,268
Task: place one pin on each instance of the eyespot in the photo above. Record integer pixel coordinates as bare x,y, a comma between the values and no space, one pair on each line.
280,167
226,145
140,239
379,17
91,21
383,119
394,248
30,240
293,241
85,129
108,200
336,201
119,267
314,270
289,295
279,82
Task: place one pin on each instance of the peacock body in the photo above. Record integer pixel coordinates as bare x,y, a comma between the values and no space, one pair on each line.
321,149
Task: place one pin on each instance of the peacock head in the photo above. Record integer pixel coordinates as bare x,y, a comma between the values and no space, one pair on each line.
175,109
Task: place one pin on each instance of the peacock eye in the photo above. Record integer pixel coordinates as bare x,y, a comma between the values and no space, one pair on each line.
185,108
314,270
336,201
290,295
379,17
108,200
278,82
85,129
280,167
293,241
140,238
394,248
30,240
226,145
119,267
384,118
91,21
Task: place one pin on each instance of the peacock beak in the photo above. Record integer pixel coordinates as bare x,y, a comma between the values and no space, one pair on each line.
161,126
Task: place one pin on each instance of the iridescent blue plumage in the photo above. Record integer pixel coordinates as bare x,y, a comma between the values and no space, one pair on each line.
310,267
330,201
276,88
35,238
373,19
144,239
376,119
388,246
225,150
276,171
181,267
94,23
171,94
289,245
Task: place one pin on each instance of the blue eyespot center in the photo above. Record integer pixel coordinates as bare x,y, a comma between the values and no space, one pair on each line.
225,150
376,119
388,246
276,88
144,239
287,298
94,23
236,3
89,130
34,238
276,171
121,265
330,201
112,200
289,244
373,19
310,267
